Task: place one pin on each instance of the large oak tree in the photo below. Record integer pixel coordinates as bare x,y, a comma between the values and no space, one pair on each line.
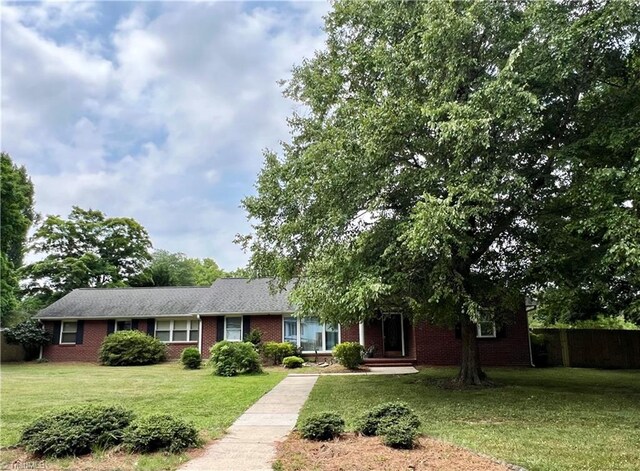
446,155
86,250
16,216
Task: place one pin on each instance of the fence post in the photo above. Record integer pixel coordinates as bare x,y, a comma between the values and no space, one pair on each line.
564,346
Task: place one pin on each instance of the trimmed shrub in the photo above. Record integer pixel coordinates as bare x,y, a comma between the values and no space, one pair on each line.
277,351
232,358
131,347
322,426
191,358
160,432
349,354
74,432
383,413
255,337
292,362
398,432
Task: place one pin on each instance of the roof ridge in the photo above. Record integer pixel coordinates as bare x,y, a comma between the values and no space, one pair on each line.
139,287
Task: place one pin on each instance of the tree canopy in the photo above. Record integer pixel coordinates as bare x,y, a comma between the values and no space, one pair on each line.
88,249
16,217
16,209
450,154
176,269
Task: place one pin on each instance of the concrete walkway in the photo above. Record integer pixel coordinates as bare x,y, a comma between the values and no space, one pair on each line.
249,444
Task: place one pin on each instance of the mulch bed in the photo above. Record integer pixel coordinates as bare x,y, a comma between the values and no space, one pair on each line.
109,460
358,453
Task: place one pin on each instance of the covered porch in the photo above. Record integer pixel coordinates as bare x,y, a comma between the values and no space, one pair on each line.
388,338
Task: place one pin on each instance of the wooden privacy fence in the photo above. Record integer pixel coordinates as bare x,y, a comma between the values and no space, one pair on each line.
591,348
10,352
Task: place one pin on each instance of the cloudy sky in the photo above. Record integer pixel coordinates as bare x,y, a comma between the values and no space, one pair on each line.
157,111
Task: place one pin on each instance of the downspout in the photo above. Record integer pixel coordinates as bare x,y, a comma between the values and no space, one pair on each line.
529,338
199,333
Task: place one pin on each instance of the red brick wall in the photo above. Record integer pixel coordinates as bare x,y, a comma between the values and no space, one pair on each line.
350,333
430,345
209,332
439,346
270,326
94,333
175,349
373,335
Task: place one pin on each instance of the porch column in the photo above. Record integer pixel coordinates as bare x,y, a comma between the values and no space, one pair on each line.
361,333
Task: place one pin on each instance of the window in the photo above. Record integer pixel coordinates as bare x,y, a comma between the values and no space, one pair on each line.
331,336
180,329
122,324
177,330
291,330
68,332
233,328
310,334
486,329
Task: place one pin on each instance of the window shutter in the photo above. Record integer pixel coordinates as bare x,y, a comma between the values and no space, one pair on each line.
219,328
151,327
501,331
79,332
134,324
246,326
458,331
57,325
111,326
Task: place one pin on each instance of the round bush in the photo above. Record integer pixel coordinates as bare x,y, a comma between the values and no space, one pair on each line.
292,362
322,426
232,358
75,431
389,411
349,354
398,433
131,347
277,351
160,432
191,358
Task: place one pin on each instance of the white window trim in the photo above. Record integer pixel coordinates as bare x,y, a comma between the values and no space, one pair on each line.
190,322
115,325
241,328
62,331
479,333
299,338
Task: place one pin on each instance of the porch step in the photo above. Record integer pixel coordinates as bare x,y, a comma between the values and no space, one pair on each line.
391,362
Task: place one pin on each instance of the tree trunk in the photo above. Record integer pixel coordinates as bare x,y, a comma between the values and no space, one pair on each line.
470,371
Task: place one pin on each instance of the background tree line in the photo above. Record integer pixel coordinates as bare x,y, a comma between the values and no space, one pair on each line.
86,249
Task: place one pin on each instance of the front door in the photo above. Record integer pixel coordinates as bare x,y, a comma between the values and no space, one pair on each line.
392,334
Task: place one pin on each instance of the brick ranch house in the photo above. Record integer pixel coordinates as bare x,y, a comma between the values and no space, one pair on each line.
231,307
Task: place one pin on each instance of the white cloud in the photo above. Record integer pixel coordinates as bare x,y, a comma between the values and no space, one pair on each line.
160,116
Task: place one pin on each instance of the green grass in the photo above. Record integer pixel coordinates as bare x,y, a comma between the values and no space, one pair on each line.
542,419
212,403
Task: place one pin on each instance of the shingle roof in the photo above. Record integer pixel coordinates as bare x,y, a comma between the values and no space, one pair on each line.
241,295
125,302
226,295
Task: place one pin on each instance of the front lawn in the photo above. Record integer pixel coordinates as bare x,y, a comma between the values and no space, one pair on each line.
542,419
212,403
